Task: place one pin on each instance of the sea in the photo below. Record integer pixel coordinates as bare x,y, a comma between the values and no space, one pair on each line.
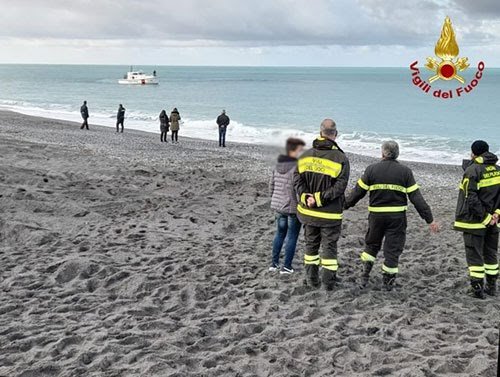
268,104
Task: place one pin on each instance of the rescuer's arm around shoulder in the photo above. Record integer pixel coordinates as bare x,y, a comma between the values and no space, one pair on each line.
359,191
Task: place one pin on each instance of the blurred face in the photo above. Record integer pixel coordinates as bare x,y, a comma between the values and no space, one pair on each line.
297,152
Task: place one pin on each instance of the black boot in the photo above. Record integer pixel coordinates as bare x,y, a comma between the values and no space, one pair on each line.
312,276
389,280
365,274
477,288
491,285
329,279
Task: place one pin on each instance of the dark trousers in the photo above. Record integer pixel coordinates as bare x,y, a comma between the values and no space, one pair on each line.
391,230
222,136
118,124
287,232
175,135
85,124
163,136
481,253
327,238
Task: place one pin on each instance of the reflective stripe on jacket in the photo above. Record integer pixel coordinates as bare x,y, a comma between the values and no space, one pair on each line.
323,173
390,184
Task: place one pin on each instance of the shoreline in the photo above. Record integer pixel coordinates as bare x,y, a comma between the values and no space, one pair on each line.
121,256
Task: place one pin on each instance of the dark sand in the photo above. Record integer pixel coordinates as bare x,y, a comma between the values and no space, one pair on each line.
120,256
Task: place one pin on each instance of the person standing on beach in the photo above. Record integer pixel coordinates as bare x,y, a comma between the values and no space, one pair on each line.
321,179
477,216
223,122
175,120
84,111
120,118
164,125
390,185
284,202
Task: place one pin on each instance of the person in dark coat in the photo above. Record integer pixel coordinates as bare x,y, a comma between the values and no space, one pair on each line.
84,110
164,125
223,122
284,203
120,118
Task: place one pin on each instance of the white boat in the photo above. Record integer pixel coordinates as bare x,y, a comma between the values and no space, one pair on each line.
139,78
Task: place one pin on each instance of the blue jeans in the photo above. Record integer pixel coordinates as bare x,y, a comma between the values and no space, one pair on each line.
288,229
222,136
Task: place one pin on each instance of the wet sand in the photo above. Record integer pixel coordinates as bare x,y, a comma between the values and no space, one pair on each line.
122,256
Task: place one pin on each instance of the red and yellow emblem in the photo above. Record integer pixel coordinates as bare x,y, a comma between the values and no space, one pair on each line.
447,50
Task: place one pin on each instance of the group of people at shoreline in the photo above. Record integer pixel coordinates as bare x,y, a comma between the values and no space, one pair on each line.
167,123
308,190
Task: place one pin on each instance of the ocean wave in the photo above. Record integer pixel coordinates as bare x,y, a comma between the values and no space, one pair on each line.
413,147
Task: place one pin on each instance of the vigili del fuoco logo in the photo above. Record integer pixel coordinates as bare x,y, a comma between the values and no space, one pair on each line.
446,66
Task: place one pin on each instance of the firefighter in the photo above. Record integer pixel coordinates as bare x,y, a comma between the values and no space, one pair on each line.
320,182
477,216
390,185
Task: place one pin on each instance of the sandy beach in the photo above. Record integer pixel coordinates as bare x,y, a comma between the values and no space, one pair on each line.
122,256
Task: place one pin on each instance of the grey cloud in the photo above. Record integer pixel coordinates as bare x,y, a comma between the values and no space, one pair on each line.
232,22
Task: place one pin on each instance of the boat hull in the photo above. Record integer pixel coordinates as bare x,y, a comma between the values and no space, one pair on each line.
139,81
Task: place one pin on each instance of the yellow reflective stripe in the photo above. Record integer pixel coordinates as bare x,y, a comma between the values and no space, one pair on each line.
476,268
390,270
365,257
479,160
479,275
321,215
388,209
363,185
488,182
317,198
386,186
410,189
476,272
303,199
464,186
497,211
320,166
487,220
459,224
491,269
311,259
330,264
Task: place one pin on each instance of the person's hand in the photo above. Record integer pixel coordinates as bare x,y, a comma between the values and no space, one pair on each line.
311,202
494,219
434,227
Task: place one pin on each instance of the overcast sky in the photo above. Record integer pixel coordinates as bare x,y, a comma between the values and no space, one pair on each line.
243,32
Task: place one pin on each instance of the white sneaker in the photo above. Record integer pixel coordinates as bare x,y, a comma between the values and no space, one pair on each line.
274,269
287,271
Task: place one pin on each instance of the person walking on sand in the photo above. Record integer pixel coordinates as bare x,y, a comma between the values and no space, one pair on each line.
477,216
223,122
164,125
284,202
390,184
321,179
84,111
120,118
175,120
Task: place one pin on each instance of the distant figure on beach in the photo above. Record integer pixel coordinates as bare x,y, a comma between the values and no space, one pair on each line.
390,184
223,122
320,182
84,111
164,125
120,118
175,120
284,202
477,216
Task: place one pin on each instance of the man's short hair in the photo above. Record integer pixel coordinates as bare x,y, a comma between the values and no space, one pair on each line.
223,111
293,143
390,150
328,128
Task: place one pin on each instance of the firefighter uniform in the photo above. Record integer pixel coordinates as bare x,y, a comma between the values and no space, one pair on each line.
478,201
390,184
323,173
